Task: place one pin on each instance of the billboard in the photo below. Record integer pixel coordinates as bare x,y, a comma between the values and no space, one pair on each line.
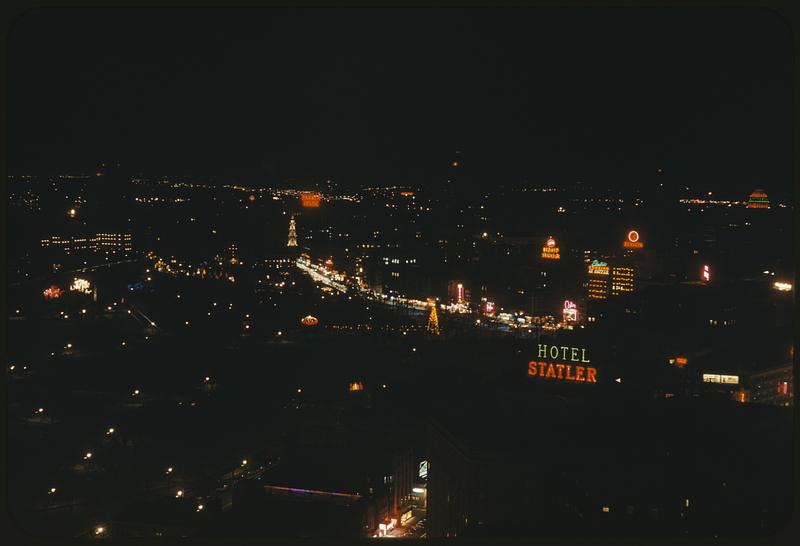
721,379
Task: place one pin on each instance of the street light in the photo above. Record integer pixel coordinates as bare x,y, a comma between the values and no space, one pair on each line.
110,431
99,530
179,493
244,462
87,456
52,490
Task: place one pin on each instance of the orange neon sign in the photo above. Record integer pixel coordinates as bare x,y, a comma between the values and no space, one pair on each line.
310,199
633,240
562,372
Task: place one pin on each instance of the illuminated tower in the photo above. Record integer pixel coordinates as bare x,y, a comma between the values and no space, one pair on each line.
758,200
433,322
292,233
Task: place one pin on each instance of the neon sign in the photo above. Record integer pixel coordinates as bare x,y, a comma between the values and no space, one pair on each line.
598,268
706,274
559,370
423,469
550,251
310,199
633,240
489,308
570,311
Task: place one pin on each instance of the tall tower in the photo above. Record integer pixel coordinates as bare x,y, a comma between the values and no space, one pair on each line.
292,233
433,322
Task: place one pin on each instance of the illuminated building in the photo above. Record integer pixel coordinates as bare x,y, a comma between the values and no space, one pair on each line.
597,286
774,386
308,320
550,251
621,280
292,233
457,292
605,280
310,199
758,200
109,243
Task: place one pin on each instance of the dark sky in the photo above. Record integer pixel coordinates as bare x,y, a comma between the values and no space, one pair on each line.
384,95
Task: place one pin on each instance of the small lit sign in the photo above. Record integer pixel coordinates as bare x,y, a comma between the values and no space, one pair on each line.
423,469
633,240
559,370
706,273
722,379
681,361
489,307
598,268
550,251
52,292
309,320
570,311
310,199
782,286
80,285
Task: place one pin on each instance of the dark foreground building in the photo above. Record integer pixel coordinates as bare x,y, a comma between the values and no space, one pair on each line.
553,466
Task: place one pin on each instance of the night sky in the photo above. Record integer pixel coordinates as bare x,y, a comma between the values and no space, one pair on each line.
385,96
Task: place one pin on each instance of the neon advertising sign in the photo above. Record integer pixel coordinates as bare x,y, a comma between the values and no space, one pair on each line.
570,311
550,251
548,368
598,268
633,240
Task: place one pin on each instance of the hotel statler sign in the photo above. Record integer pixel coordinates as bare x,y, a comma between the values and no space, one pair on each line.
572,365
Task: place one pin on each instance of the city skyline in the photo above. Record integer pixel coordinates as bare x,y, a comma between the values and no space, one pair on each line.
422,274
